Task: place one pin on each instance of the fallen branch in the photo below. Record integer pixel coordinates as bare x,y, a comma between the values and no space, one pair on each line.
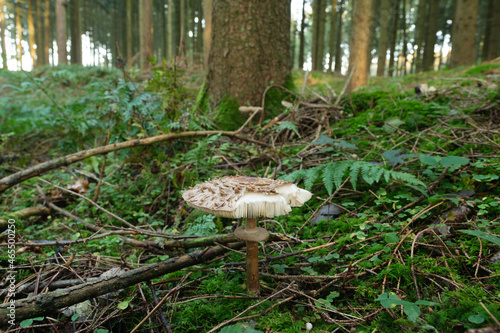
40,169
23,214
48,303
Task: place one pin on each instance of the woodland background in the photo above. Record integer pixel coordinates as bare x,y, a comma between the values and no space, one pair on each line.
386,110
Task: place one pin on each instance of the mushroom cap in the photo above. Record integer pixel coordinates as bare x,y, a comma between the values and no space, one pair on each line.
250,197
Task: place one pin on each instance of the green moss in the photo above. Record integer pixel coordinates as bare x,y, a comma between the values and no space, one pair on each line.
275,95
479,69
227,114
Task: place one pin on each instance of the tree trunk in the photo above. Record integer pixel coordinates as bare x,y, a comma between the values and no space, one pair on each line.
420,34
494,38
2,34
318,42
250,50
301,36
463,38
129,31
76,32
384,37
173,28
207,33
199,34
61,36
39,33
431,35
339,52
31,33
146,36
331,42
19,36
393,36
47,40
405,45
359,43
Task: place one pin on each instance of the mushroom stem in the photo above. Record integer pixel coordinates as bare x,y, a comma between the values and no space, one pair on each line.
252,259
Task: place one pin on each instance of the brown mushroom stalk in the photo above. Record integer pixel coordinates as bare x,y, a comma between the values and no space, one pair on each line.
248,197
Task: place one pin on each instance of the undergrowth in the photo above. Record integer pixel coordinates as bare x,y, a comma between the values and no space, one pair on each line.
415,178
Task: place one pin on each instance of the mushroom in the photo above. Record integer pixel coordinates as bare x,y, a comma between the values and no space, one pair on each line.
248,197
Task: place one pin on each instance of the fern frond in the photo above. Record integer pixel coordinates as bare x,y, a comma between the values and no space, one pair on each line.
313,174
329,176
355,167
340,169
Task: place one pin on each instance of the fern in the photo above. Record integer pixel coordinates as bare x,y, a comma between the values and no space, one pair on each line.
333,173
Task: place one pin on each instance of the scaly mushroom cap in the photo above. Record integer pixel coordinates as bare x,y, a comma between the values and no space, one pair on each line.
251,197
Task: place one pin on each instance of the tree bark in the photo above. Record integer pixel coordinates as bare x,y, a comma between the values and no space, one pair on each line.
31,33
359,43
331,42
301,36
431,36
393,36
463,38
250,49
494,38
173,28
339,52
46,31
49,303
129,31
19,36
405,45
420,34
207,32
61,36
2,34
318,41
146,36
384,37
76,32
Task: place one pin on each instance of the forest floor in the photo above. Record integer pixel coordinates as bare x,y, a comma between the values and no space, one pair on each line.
401,234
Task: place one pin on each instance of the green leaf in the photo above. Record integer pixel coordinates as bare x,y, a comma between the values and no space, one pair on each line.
123,305
427,303
454,161
391,123
75,316
388,300
26,323
412,311
391,237
482,235
428,160
476,319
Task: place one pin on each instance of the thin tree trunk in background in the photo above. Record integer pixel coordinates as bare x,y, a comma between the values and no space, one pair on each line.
182,41
494,40
76,32
129,32
199,34
2,34
487,31
431,36
393,36
207,33
463,38
384,37
146,33
405,45
318,42
420,34
339,52
174,14
61,36
39,33
359,43
19,36
301,36
331,42
46,32
31,33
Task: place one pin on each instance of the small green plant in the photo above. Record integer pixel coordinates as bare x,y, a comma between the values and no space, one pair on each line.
390,300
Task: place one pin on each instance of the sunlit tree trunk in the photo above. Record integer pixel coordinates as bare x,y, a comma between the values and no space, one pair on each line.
31,33
339,52
384,37
2,34
199,33
431,35
19,36
76,32
46,31
359,43
207,32
393,36
331,42
250,49
61,35
301,36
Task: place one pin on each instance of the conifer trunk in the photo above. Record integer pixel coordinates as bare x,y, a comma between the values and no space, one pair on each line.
359,43
61,36
2,34
393,36
338,52
331,42
384,37
19,36
76,32
301,36
464,33
31,33
430,36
